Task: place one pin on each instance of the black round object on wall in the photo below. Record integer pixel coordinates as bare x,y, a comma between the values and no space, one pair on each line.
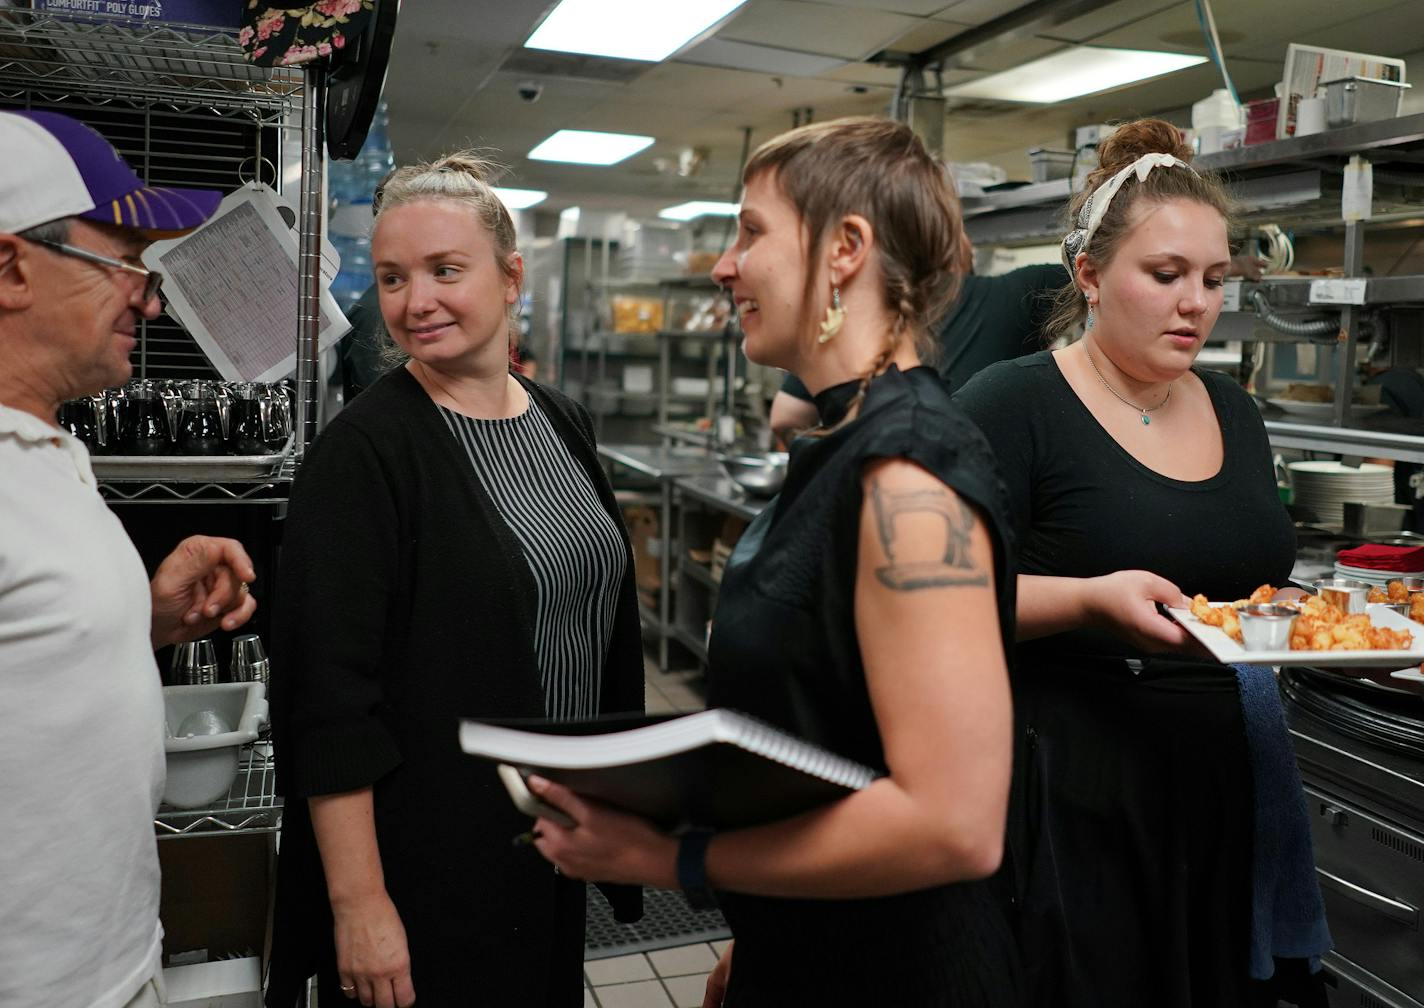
355,80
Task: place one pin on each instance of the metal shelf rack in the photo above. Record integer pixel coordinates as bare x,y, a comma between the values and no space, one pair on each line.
180,66
251,804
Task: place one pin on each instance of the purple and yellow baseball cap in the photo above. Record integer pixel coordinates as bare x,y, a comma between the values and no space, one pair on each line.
55,167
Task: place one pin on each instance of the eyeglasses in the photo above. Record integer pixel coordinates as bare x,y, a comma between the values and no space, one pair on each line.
152,279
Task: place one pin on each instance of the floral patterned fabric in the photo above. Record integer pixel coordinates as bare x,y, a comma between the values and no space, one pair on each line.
276,35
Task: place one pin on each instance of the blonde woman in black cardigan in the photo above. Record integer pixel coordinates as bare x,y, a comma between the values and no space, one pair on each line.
452,549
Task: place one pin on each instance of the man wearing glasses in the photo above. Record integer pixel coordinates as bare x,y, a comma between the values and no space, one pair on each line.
81,711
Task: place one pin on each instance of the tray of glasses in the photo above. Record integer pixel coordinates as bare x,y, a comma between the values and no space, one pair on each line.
188,468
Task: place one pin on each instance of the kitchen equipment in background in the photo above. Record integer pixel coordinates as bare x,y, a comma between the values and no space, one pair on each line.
1322,488
1352,100
759,474
1362,519
147,424
1310,116
200,421
86,419
201,766
1213,117
1048,163
195,663
1261,116
249,660
1360,747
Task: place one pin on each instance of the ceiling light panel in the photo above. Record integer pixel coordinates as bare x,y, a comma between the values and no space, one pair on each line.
699,208
1072,73
589,147
519,199
650,30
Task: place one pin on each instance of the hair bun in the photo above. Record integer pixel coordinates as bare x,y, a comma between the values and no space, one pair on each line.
477,164
1132,140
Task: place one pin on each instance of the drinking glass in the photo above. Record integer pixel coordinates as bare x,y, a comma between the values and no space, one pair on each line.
195,663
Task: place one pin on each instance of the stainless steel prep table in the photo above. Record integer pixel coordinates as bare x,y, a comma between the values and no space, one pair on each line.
662,465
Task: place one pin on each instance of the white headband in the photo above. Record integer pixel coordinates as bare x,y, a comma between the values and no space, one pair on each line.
1096,206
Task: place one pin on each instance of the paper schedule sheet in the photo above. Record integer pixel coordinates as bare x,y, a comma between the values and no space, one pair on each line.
234,284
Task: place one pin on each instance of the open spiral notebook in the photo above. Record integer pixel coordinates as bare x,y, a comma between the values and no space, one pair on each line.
715,768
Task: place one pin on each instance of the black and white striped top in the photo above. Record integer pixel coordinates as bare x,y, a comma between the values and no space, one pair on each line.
572,546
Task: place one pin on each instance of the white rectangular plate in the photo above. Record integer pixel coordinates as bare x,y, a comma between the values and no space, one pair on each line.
1228,652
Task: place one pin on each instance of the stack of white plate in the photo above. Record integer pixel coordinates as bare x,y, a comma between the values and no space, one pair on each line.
1369,575
1324,487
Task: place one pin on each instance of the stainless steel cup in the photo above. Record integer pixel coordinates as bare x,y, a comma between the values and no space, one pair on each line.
1345,594
1400,607
1266,626
195,663
249,660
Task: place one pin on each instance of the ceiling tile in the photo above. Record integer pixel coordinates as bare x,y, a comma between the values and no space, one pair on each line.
871,74
1006,57
698,87
722,52
977,12
816,27
917,8
1378,27
1112,17
927,33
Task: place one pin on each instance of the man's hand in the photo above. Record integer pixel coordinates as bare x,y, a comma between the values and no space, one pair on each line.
200,586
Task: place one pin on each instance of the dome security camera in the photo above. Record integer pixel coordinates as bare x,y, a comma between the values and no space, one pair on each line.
530,91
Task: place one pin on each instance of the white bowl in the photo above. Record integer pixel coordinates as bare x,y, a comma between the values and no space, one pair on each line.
201,767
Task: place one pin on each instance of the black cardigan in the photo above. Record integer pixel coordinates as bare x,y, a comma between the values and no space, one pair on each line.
404,604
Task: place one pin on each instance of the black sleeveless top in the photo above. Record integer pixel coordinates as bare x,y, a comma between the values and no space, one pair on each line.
784,648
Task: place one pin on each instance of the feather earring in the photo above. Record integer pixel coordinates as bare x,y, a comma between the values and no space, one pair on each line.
835,318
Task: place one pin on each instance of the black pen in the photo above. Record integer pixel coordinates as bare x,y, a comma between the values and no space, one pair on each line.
526,838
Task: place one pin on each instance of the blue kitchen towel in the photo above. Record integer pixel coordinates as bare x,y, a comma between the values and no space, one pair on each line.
1287,913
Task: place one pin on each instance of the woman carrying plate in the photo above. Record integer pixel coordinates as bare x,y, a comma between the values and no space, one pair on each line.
1134,477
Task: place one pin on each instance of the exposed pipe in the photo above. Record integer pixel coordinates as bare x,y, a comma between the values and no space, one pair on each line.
1267,314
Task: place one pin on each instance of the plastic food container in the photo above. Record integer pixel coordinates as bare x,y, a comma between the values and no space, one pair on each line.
201,767
1351,100
1266,627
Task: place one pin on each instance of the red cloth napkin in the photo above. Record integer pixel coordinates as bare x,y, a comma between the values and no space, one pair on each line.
1373,556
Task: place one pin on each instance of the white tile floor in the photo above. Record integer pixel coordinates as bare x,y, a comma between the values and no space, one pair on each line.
669,978
673,977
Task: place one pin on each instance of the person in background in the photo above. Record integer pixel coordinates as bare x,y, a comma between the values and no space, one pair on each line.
994,318
81,707
362,359
866,609
1158,841
484,572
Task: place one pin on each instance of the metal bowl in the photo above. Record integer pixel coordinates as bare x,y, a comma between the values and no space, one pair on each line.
759,474
1266,627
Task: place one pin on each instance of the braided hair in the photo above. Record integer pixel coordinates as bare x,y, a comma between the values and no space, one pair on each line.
880,170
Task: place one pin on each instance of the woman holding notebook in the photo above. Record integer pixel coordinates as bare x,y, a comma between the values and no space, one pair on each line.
866,610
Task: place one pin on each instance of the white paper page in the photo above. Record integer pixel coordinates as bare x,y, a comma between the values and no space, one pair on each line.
233,285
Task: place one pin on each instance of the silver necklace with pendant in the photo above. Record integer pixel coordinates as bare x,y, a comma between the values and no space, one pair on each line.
1144,410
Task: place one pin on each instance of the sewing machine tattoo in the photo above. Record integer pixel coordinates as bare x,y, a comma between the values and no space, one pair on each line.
957,566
